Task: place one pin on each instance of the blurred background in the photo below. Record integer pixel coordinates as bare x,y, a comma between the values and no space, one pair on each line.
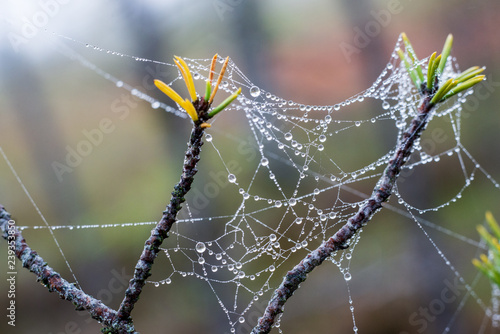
315,52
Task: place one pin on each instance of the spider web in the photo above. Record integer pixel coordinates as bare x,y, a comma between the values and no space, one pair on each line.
279,181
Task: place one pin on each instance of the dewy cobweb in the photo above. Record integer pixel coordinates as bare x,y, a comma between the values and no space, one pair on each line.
286,182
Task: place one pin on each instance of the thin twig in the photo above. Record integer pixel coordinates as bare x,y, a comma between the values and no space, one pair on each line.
53,281
339,240
159,233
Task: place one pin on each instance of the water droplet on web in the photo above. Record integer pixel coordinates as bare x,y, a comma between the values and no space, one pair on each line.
357,123
255,91
336,107
278,204
231,178
208,137
322,138
241,320
292,201
272,268
196,75
264,162
298,220
214,268
272,237
347,276
288,136
386,105
201,260
119,84
200,247
321,147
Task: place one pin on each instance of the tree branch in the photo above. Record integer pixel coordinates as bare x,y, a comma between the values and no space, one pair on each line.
53,281
159,233
339,240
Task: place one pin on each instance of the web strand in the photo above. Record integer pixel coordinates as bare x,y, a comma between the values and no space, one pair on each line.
287,182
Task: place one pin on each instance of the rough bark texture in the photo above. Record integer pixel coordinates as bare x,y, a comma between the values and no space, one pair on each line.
159,233
53,281
339,240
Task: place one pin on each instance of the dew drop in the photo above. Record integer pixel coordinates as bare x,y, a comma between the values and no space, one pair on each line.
321,147
255,91
272,237
231,178
201,260
264,162
322,138
119,84
196,75
200,247
298,220
214,268
208,137
336,107
292,201
278,204
241,320
386,105
288,136
272,268
347,276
